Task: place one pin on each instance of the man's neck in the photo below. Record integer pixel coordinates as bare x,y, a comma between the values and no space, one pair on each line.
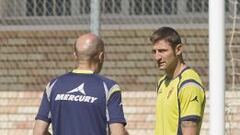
86,66
176,70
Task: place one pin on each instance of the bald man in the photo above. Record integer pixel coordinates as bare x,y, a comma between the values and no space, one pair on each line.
82,102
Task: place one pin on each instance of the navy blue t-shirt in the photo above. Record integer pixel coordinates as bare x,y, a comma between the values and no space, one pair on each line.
81,103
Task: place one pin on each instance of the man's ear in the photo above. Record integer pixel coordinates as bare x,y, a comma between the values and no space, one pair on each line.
75,55
179,49
101,57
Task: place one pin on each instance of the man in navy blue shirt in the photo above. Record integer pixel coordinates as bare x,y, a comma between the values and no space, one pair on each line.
82,102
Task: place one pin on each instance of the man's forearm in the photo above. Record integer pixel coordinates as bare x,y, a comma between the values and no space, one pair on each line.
41,133
189,128
118,129
41,128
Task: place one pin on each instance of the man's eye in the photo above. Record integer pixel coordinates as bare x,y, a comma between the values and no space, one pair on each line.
161,51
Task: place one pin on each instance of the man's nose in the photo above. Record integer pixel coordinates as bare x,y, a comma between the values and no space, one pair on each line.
158,56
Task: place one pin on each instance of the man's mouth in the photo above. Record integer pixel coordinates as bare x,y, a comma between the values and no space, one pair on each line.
160,63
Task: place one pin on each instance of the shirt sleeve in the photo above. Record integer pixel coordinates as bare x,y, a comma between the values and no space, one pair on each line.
192,102
115,108
44,109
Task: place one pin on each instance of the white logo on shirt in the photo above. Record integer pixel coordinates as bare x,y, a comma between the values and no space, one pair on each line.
78,89
77,98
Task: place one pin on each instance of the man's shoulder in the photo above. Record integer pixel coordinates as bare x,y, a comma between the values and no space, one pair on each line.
190,78
105,79
62,76
190,74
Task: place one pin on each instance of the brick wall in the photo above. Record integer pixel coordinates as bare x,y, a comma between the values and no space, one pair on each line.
29,59
18,109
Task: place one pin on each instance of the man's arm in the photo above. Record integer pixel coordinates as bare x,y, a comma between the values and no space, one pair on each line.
118,129
41,128
192,101
189,128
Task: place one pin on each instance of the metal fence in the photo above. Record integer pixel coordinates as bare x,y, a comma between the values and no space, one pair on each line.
69,12
38,12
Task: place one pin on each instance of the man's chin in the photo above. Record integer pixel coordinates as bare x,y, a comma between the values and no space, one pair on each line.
161,67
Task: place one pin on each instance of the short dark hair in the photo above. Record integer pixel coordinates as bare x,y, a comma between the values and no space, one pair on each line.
168,34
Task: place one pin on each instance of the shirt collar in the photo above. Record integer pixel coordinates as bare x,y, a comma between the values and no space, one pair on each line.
82,71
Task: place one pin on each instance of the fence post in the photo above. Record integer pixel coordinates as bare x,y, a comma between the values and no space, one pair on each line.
216,66
95,16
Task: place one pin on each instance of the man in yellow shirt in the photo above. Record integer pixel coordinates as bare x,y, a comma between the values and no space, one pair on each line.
180,94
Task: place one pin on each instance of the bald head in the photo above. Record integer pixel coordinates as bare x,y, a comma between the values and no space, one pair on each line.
88,46
89,51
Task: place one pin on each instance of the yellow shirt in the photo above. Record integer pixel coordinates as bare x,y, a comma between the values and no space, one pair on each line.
181,98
